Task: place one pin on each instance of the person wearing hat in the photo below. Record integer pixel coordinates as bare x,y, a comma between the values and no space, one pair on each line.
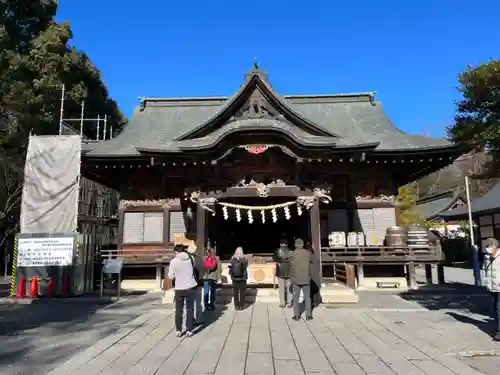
282,272
491,279
300,276
198,264
184,276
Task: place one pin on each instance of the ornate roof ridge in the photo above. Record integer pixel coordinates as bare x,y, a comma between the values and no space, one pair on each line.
370,95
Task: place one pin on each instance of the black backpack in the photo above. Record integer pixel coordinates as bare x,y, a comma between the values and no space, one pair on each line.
237,268
196,272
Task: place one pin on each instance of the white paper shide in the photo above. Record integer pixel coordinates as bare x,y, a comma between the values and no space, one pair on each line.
45,252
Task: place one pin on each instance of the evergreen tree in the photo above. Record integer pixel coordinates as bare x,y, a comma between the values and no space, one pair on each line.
35,61
478,112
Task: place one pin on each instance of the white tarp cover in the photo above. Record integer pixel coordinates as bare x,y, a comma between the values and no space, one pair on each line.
51,181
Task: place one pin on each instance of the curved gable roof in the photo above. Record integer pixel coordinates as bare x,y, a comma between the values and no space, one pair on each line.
349,119
255,80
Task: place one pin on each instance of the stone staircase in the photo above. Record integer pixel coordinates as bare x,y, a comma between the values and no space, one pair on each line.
334,293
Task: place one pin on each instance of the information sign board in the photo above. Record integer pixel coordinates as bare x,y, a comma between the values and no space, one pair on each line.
112,266
45,251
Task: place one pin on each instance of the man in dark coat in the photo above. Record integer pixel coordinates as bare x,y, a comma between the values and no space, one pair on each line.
300,278
283,267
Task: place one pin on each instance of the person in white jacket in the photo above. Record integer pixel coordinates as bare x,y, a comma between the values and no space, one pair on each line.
182,272
491,281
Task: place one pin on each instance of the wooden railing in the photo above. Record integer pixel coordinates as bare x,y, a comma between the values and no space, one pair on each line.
344,273
380,254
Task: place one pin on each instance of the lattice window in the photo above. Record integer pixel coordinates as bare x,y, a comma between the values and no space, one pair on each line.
143,227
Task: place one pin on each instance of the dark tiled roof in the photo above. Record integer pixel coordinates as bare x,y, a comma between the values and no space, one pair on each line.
432,206
347,119
488,203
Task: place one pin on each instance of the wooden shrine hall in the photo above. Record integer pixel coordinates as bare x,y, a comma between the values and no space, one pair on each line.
257,167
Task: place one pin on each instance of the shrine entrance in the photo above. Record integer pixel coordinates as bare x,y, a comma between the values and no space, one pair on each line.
256,218
257,225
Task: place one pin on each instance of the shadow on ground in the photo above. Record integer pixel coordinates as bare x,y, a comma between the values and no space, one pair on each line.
37,337
453,296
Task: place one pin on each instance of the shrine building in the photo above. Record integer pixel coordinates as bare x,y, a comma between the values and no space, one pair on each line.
258,166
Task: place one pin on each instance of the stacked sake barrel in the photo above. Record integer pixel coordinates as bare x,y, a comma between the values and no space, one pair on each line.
417,239
355,239
414,237
396,236
337,239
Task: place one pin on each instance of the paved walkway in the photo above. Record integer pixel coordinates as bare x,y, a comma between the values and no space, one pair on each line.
265,340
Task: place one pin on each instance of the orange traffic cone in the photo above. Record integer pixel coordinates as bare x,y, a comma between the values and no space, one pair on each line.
21,288
51,288
34,287
65,288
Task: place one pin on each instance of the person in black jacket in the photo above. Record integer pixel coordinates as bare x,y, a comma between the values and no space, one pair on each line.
301,278
283,266
239,275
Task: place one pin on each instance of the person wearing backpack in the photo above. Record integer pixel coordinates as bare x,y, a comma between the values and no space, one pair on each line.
184,276
212,274
491,280
239,275
283,266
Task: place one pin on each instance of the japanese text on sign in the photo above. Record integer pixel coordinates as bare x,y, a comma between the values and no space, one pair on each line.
43,252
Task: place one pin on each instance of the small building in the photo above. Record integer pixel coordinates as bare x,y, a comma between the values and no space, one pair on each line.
431,206
485,213
250,169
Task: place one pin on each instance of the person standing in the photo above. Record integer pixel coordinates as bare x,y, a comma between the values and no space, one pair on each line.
239,275
300,277
212,274
198,264
182,272
283,267
491,267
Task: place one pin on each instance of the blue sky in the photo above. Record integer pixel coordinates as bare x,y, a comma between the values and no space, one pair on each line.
410,53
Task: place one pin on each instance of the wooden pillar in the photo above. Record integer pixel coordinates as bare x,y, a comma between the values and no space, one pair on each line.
428,274
412,277
316,246
158,275
361,275
201,216
440,272
296,172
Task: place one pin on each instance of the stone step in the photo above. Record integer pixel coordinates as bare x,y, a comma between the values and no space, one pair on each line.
331,294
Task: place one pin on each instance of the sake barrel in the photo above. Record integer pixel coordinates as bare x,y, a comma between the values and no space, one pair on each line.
360,239
336,239
374,238
417,238
352,239
395,236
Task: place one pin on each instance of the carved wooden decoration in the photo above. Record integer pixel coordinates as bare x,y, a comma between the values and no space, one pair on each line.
256,149
256,107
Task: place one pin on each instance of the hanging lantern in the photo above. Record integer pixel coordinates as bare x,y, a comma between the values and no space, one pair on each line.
299,210
275,215
238,215
224,212
250,216
287,213
263,216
